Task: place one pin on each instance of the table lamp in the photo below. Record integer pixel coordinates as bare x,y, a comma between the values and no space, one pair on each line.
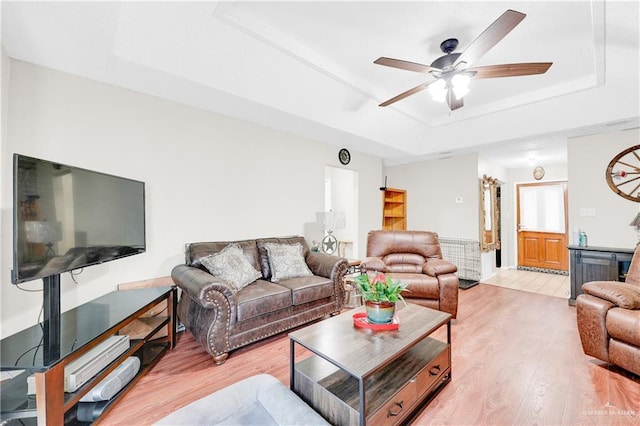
331,221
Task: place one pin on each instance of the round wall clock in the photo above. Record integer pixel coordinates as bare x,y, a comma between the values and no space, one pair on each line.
538,173
623,174
344,156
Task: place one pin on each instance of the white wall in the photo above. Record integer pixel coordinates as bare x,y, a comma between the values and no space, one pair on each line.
208,177
344,198
6,233
432,188
589,157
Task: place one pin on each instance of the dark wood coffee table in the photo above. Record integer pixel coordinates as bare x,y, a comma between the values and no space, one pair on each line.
372,377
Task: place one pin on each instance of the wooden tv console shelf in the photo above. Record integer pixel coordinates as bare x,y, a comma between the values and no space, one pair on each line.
81,329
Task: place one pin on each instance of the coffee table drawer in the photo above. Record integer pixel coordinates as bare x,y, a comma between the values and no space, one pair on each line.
433,372
398,406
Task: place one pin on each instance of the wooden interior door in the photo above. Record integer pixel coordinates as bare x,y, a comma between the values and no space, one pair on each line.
542,225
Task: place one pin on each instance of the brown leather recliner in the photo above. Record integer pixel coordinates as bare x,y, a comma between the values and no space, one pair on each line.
608,315
415,257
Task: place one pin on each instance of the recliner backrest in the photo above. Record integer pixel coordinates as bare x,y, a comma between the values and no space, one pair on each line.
402,247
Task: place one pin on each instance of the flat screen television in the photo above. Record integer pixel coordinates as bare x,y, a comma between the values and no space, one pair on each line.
66,218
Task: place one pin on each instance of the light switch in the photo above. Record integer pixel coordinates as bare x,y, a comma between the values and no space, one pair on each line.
587,211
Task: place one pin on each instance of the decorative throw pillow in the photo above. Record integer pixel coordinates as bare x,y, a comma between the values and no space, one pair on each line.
286,261
230,265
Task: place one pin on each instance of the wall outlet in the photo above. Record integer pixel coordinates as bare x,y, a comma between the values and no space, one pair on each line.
458,200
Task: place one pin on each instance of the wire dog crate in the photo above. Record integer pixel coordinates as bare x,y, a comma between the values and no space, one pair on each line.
465,254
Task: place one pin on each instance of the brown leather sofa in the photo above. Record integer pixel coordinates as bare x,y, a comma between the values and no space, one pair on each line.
415,257
608,315
223,318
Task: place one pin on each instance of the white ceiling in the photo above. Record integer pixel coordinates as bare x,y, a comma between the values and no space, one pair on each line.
307,67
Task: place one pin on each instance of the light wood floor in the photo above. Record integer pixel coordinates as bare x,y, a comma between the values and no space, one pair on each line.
536,282
516,359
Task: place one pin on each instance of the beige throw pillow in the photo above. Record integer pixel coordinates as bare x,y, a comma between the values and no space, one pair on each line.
230,266
286,261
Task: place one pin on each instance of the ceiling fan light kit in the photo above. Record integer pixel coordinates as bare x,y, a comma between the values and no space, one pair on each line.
459,83
438,90
450,71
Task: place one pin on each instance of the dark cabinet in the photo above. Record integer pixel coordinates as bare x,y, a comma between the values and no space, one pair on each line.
597,264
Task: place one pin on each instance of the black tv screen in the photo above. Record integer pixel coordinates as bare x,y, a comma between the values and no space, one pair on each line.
66,218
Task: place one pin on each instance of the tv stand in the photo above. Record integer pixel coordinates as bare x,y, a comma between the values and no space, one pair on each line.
79,330
51,317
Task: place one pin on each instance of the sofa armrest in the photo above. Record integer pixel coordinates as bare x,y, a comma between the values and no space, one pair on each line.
435,267
199,285
332,267
207,308
373,264
591,316
621,294
325,265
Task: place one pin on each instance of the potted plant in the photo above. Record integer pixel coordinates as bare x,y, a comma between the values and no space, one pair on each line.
380,295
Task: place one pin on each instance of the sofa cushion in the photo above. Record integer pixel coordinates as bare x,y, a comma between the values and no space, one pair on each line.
308,289
196,251
264,256
286,261
231,266
262,298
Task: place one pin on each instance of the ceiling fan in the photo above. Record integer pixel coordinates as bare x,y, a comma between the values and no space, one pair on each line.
451,71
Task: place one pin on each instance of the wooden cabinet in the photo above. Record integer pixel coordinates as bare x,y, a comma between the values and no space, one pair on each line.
597,264
394,209
81,329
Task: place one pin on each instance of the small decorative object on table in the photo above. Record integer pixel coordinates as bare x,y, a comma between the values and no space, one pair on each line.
380,294
360,320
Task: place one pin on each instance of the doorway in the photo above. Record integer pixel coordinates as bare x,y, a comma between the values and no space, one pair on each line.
341,195
542,225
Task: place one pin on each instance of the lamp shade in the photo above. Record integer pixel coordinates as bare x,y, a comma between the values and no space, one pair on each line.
331,221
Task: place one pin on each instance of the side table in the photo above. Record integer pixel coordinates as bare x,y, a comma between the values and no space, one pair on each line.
353,298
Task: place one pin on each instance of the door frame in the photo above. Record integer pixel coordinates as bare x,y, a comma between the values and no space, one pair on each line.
564,184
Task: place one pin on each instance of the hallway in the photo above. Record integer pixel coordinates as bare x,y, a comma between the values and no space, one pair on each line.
534,282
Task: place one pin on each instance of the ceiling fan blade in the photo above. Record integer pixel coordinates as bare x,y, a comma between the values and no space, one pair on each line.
405,94
453,103
405,65
510,70
490,37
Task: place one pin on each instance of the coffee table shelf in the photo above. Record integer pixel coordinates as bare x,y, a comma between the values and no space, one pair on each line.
362,377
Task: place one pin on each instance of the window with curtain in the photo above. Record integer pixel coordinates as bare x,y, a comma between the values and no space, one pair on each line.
542,208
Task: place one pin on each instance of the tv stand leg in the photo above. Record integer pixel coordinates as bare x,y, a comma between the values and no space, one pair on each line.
51,322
